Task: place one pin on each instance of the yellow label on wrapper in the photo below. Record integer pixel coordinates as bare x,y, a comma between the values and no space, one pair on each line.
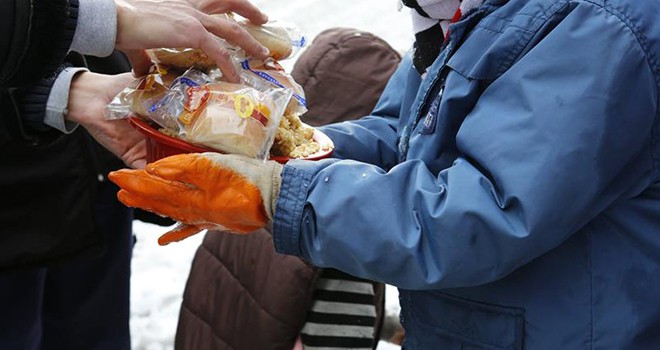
244,106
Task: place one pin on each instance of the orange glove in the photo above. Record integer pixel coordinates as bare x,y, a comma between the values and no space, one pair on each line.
203,191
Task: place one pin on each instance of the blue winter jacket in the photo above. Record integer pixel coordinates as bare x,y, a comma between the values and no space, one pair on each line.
512,194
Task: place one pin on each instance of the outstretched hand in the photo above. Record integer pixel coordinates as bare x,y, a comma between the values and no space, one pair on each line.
147,24
89,96
203,191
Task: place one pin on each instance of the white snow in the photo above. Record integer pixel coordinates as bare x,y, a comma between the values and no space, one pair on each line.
159,273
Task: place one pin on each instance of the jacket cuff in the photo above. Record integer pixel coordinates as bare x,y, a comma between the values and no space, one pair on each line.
32,101
97,28
289,209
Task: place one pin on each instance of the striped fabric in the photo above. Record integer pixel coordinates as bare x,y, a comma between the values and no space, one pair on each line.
343,315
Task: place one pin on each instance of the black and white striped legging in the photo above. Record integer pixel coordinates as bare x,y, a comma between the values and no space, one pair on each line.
343,314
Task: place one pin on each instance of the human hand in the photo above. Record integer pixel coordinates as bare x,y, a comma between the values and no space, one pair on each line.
147,24
89,96
203,191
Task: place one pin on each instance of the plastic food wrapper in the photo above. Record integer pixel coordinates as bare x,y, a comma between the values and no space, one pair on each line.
181,58
232,118
267,74
195,105
282,40
141,94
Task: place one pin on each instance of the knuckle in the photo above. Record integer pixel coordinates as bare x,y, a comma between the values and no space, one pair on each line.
234,29
224,54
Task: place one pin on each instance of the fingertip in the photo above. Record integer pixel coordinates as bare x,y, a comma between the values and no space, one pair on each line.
222,58
252,13
138,73
130,200
154,169
122,195
139,164
140,62
263,19
179,233
163,240
112,176
230,75
265,53
118,175
151,168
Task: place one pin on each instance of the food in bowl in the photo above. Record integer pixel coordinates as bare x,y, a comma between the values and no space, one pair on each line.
294,139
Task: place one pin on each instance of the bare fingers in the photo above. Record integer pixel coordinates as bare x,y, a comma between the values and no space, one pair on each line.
219,26
241,7
140,62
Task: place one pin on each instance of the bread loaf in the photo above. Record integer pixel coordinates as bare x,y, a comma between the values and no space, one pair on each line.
230,118
182,58
275,38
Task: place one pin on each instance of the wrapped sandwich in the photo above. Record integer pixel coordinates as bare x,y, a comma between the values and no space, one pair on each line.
231,118
280,39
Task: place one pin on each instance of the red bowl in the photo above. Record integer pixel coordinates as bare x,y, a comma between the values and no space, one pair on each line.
160,145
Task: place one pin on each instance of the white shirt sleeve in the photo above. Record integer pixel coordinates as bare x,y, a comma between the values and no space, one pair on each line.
58,100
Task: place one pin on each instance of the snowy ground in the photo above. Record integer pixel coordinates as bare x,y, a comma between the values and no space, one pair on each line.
159,273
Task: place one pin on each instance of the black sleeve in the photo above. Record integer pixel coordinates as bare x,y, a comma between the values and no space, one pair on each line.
22,109
22,112
35,36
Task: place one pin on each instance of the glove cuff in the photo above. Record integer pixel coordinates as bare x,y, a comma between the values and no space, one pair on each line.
276,176
266,176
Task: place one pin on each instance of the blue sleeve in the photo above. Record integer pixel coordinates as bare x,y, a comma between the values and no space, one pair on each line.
550,145
373,139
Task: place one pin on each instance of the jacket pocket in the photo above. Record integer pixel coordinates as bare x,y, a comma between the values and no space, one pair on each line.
438,320
484,55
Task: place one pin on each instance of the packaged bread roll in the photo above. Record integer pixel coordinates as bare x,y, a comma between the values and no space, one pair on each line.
182,58
141,95
273,36
233,118
281,41
267,74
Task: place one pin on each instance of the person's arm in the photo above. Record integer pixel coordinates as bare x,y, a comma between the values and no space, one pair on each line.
373,139
89,96
551,144
37,35
61,102
145,24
